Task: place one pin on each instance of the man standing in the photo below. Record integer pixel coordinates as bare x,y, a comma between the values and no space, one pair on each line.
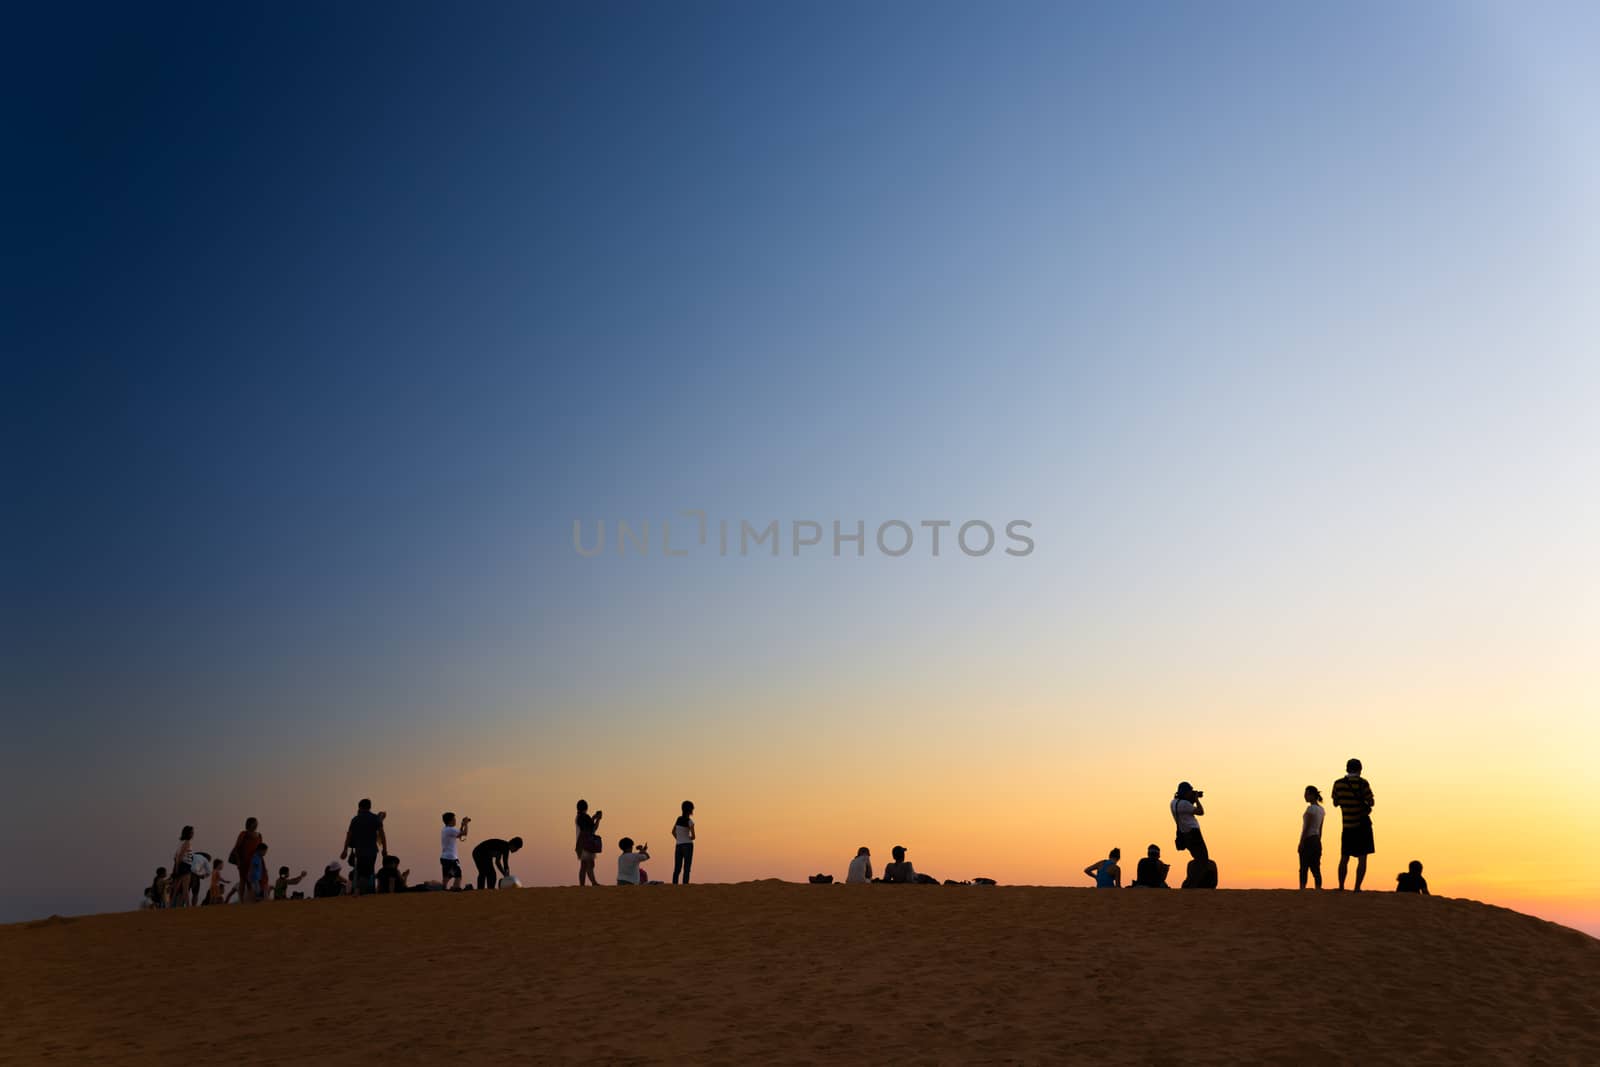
365,838
1185,807
1352,795
244,851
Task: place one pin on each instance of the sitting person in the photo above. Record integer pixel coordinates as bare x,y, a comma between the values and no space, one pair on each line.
1151,873
860,867
628,870
1107,873
331,884
391,879
1412,881
900,871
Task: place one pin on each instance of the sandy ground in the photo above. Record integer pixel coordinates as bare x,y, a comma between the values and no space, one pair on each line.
767,971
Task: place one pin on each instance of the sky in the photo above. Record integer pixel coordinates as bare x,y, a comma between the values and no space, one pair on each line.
1274,324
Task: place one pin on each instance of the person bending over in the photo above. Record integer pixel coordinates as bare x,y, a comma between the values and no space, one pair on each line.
492,858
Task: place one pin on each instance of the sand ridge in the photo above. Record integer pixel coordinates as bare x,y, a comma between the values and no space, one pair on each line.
775,971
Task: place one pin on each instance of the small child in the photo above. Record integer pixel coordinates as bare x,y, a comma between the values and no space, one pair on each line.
280,888
215,894
1412,881
391,879
258,873
628,870
157,893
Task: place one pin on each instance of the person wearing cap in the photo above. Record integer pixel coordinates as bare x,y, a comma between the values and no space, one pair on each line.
900,871
1352,795
1151,872
1186,809
331,884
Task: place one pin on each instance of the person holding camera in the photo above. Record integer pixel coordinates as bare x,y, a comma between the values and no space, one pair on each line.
1186,810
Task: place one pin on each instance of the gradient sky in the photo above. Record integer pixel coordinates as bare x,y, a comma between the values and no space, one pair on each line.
324,325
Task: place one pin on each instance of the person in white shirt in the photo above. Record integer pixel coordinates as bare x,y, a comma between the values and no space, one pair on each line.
449,857
683,843
1185,807
860,867
628,872
1311,837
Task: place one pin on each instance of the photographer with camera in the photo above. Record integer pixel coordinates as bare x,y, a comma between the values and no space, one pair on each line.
1186,809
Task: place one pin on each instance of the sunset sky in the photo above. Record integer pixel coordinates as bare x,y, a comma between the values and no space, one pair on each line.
1277,325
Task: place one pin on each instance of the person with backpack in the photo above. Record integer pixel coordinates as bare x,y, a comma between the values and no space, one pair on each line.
1352,795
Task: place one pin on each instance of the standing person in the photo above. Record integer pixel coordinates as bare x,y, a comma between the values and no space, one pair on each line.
364,839
589,844
860,868
1107,873
1310,846
491,855
449,838
244,850
1186,809
258,872
683,848
1352,795
182,868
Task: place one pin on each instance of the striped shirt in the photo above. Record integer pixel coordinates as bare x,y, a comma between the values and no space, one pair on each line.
1353,797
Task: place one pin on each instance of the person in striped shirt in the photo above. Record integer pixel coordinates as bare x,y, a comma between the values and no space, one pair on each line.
1352,795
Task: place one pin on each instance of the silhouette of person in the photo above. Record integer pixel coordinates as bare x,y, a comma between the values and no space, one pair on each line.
1352,795
1186,809
1107,873
492,854
365,839
588,844
1412,881
1310,847
900,871
860,868
1151,872
683,843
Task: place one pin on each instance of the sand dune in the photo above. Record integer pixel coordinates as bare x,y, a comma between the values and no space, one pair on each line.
768,971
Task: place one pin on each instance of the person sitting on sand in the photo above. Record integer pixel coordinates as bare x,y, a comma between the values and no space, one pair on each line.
391,879
683,843
1186,809
280,888
491,855
1151,872
628,871
449,838
157,893
860,867
1310,846
588,845
900,872
1107,873
182,872
331,884
1352,795
1412,881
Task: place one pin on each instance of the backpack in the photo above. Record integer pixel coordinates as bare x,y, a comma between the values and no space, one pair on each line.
1202,874
822,879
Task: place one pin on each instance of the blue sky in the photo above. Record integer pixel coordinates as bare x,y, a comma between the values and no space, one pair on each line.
327,324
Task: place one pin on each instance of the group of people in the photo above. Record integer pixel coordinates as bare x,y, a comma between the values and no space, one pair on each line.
1351,794
197,878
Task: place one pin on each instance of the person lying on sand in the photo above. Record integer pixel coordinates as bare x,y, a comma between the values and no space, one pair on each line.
860,867
1151,872
1107,874
900,872
1412,881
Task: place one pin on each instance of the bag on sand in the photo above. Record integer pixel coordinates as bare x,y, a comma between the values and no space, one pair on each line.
822,879
1202,874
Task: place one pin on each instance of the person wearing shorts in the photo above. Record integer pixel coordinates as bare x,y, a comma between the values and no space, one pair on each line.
1352,795
450,838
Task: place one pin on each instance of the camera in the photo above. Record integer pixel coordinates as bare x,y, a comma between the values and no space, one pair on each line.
1198,793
